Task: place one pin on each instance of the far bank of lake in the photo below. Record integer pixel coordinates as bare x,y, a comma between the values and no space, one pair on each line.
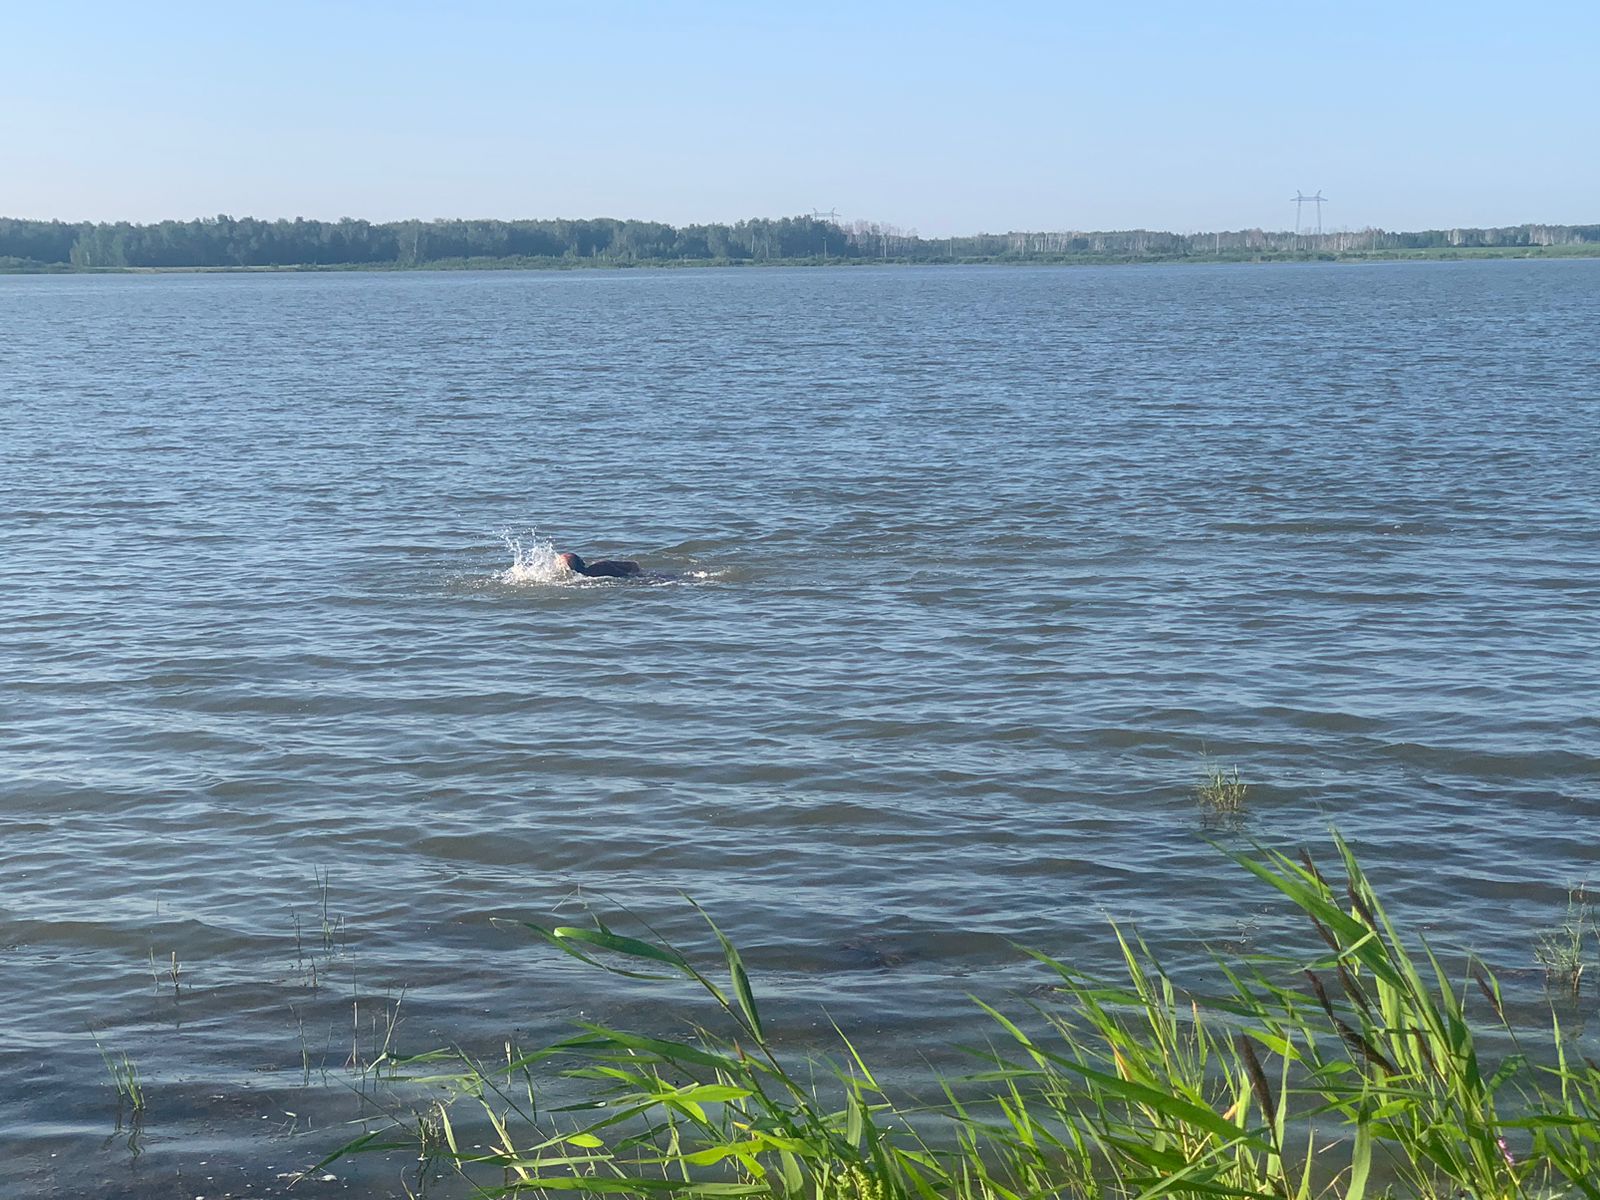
568,263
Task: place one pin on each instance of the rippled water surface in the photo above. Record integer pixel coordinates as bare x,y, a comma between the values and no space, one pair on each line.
955,577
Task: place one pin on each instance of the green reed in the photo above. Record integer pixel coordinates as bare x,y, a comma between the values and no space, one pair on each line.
1362,1070
124,1073
1561,951
1222,793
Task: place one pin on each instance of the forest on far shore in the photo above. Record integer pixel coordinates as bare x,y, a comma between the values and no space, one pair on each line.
227,242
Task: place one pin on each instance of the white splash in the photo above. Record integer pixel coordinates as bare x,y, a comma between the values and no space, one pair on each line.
533,560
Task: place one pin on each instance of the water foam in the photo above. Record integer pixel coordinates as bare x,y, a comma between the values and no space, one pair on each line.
534,559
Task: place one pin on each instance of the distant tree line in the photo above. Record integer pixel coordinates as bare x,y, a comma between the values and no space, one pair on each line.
246,242
224,241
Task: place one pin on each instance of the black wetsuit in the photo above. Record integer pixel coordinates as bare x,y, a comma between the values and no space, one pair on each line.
615,568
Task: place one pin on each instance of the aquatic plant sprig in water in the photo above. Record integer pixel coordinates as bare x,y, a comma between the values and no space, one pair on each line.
1359,1073
1562,951
1221,795
124,1073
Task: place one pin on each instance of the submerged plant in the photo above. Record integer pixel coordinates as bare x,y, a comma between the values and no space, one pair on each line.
124,1074
1355,1072
1221,794
1560,951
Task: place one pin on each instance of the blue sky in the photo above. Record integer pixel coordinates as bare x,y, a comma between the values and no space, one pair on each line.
946,118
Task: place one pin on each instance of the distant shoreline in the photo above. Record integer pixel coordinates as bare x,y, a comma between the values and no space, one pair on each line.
1425,254
605,243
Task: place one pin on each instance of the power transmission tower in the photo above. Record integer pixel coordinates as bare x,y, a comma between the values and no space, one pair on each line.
1301,200
831,217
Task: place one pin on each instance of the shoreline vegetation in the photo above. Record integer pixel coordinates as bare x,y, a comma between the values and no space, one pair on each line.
224,243
1365,1067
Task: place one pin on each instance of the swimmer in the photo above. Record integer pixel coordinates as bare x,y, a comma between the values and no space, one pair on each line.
614,568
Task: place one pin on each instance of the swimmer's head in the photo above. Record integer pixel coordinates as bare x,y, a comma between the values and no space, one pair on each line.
571,561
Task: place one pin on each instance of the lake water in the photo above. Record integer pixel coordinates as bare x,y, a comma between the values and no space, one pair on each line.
958,575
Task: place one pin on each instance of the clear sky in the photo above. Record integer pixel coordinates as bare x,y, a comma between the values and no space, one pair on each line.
947,118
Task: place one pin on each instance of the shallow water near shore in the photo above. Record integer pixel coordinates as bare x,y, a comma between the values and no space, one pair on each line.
958,575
